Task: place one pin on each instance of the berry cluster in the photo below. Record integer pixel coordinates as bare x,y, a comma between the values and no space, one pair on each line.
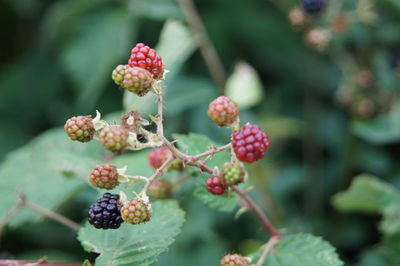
105,212
144,68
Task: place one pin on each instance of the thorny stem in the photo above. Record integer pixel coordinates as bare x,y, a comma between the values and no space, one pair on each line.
212,151
207,49
267,249
160,103
257,211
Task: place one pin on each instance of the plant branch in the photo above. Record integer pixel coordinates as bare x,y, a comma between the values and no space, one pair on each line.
50,214
267,249
212,151
159,172
207,49
160,104
257,211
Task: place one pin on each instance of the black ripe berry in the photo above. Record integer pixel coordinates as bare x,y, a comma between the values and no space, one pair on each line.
105,213
313,6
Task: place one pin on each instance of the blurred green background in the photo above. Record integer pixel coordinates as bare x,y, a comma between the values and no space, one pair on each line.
331,112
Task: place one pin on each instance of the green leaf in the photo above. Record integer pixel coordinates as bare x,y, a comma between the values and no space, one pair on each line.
49,170
301,250
103,42
227,202
135,244
244,86
366,194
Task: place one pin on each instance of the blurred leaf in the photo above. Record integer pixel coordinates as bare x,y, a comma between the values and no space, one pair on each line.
172,52
51,255
187,92
135,244
155,9
103,40
49,170
382,130
244,86
385,254
366,194
301,250
145,105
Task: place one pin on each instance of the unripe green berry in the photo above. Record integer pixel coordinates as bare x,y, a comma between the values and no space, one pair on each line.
80,128
234,260
232,173
118,74
138,81
135,211
114,138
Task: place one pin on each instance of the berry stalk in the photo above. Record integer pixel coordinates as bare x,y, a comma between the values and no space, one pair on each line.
257,211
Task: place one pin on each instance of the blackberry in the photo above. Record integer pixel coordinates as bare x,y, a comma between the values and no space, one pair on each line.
313,6
105,213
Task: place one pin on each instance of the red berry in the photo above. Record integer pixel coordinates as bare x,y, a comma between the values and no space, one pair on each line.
144,57
223,111
104,176
215,185
158,156
234,260
250,143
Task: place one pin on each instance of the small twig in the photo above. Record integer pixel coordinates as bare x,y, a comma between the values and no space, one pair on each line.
207,49
160,104
257,211
268,249
50,214
159,172
10,214
212,151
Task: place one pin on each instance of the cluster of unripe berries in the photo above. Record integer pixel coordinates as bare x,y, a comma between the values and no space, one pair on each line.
144,68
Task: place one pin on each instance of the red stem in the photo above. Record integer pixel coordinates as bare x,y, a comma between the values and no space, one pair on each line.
257,211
